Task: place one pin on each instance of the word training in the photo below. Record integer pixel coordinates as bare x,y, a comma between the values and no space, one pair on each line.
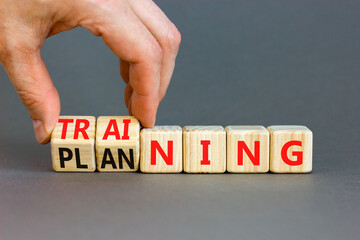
117,144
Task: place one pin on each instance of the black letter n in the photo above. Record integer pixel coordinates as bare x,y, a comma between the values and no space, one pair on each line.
122,156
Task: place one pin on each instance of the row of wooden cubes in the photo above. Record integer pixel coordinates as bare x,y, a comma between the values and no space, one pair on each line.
116,144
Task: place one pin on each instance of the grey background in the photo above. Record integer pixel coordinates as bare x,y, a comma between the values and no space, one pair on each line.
240,62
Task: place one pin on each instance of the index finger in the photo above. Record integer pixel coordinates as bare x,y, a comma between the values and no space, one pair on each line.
145,98
131,41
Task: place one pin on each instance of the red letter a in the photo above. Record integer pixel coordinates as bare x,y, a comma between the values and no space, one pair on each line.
112,123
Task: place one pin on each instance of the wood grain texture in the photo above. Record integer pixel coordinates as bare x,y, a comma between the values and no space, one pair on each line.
279,136
194,150
249,135
111,149
85,147
163,135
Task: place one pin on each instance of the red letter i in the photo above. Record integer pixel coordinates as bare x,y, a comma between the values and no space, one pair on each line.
205,144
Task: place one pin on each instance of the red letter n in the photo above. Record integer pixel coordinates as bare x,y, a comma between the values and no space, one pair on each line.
156,146
255,159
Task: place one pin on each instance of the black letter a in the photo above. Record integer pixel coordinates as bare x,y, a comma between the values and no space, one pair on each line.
107,151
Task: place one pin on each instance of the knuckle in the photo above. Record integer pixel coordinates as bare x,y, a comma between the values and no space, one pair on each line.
15,50
173,39
29,99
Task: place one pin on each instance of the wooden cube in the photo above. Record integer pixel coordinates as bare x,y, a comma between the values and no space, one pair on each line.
290,149
117,144
204,149
247,149
72,144
161,149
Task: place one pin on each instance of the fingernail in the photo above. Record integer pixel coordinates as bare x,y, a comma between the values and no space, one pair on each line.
40,132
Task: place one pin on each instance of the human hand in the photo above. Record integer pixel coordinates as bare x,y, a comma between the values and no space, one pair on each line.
137,31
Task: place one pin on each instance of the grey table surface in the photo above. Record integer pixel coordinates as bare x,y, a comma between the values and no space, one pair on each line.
240,62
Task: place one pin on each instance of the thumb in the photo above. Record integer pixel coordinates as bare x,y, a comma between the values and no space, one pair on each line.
32,82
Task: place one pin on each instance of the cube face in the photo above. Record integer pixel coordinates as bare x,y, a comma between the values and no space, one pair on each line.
117,144
73,144
161,149
204,149
247,149
290,149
